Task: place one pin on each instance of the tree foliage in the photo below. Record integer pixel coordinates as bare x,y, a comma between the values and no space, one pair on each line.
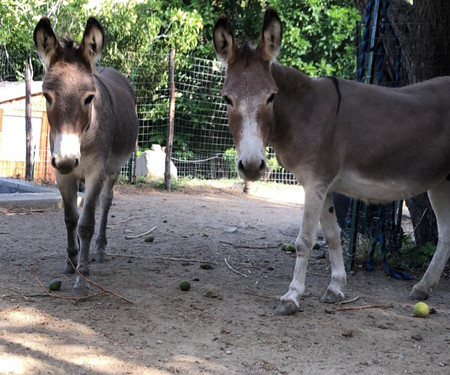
318,34
318,38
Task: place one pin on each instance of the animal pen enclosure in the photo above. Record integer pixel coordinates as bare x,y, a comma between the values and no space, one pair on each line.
13,134
203,147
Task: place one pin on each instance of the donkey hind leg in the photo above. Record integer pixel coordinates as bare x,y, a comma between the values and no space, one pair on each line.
289,303
106,197
440,200
330,229
67,186
86,226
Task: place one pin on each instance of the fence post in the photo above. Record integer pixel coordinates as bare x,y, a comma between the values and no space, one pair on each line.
28,124
169,144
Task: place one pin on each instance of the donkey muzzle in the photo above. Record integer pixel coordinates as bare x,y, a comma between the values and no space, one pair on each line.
66,153
251,170
66,165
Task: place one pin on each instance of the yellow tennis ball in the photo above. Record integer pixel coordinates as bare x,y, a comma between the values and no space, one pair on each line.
421,309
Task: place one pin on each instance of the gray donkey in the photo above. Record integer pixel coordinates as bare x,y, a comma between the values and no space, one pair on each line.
368,142
93,130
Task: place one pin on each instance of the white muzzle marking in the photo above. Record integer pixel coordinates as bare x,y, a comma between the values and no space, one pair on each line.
66,152
252,153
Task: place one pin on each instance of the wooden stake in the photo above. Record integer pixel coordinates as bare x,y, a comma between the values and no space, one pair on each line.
169,141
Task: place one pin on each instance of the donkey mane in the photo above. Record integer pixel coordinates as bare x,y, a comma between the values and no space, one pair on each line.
246,50
68,43
71,50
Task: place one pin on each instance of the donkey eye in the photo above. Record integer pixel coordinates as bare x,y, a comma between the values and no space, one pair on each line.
271,98
89,99
48,98
228,100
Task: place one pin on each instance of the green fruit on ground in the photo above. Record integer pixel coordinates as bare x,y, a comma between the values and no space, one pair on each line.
421,309
54,285
288,247
185,286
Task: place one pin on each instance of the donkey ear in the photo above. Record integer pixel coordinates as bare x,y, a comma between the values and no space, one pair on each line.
223,38
47,46
270,42
92,44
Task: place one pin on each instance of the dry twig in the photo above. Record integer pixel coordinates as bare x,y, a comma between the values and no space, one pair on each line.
141,234
102,289
250,247
126,220
364,307
349,301
58,296
26,297
268,296
80,298
161,258
231,268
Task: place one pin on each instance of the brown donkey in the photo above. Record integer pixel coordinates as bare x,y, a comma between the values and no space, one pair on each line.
368,142
93,130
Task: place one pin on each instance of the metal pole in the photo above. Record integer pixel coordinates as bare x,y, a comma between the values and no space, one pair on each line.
169,144
356,206
28,124
372,41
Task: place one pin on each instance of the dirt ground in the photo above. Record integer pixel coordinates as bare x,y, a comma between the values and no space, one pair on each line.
225,323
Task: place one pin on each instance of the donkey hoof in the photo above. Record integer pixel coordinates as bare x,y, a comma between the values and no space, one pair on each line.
100,257
68,269
80,291
417,294
286,308
331,297
81,287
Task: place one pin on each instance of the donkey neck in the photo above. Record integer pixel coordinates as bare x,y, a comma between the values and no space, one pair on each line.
294,91
305,116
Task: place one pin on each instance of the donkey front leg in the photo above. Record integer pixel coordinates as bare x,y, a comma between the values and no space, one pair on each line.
86,226
67,186
289,303
106,198
330,230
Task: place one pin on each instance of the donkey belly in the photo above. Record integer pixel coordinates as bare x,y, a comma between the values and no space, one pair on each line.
116,161
380,190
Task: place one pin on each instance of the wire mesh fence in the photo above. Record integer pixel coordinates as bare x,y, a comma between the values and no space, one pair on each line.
203,146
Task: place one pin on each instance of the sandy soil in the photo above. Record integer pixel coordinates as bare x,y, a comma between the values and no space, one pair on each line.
224,324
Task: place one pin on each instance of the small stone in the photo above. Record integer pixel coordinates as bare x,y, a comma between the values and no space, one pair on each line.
149,238
349,333
212,292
